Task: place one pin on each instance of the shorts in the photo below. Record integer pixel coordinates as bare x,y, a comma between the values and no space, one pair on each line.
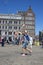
24,45
30,45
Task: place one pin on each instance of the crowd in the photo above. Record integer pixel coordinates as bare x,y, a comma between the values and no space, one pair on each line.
20,38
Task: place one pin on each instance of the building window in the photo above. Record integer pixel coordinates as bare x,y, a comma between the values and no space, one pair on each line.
0,32
29,22
0,27
10,33
10,22
29,14
6,21
15,27
14,32
19,22
10,27
30,27
33,18
19,28
5,27
3,22
15,22
5,32
28,18
0,21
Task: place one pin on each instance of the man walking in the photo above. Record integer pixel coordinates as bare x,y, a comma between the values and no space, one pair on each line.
25,43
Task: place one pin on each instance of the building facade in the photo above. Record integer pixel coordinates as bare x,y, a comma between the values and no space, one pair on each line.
9,23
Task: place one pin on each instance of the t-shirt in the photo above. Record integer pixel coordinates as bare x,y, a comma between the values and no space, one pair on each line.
31,40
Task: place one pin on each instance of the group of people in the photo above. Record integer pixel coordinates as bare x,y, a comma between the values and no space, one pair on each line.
25,40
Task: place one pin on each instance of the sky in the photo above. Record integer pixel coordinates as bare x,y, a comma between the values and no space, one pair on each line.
12,6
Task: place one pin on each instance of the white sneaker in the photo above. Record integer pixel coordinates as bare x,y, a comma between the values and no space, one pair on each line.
23,54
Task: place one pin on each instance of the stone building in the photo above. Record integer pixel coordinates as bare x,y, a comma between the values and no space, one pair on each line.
9,23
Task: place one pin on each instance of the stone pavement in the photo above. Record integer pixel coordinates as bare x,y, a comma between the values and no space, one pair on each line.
11,55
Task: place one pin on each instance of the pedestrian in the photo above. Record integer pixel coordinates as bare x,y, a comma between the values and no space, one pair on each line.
30,44
25,42
3,39
16,38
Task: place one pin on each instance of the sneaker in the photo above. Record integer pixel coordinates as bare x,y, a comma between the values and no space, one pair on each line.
26,53
23,54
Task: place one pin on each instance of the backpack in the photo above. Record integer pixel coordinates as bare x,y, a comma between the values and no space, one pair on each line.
27,38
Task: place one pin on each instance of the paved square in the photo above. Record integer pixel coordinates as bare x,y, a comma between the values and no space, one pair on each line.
11,55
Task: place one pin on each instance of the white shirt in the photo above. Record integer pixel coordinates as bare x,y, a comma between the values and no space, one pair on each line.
31,40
